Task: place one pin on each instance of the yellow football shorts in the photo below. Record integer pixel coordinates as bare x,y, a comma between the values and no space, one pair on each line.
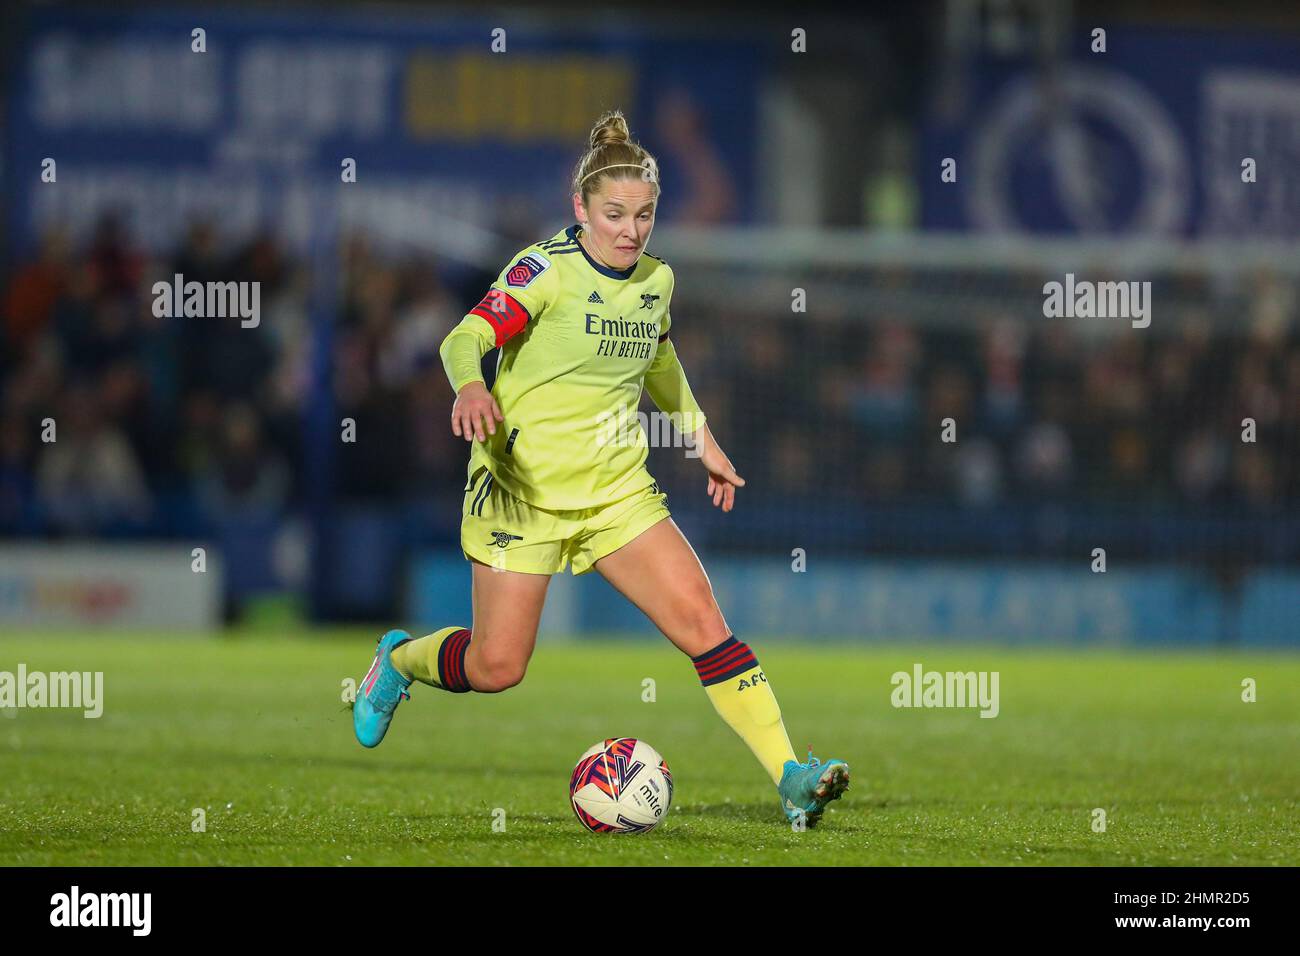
504,532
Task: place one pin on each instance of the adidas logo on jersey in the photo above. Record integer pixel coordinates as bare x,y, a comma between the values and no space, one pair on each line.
595,297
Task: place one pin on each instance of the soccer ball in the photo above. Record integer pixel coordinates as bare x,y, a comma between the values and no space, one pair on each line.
621,785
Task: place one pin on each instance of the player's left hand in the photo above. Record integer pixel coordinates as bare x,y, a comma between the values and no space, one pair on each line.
723,480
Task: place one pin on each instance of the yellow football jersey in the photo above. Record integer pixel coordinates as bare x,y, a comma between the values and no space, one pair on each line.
579,341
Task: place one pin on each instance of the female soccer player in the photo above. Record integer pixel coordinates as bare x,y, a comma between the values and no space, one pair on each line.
582,322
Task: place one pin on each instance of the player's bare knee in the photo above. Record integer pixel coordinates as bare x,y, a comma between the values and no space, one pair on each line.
701,627
498,672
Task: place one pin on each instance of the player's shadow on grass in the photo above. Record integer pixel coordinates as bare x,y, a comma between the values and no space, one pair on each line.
525,829
1042,855
759,813
206,757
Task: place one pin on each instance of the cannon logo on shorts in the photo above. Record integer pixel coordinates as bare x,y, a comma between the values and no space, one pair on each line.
527,269
502,538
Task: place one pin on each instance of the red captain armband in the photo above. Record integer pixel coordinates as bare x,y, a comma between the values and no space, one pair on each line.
503,312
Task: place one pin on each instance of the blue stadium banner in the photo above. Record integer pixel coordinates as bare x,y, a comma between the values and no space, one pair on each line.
468,118
1150,137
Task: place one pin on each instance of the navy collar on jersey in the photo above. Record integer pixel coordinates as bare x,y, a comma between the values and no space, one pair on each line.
572,233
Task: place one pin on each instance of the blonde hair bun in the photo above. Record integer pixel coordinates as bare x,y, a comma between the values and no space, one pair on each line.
612,155
610,130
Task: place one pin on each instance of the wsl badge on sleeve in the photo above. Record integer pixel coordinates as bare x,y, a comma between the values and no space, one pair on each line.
526,270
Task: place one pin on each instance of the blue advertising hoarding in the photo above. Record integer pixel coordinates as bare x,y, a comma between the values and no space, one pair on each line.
875,601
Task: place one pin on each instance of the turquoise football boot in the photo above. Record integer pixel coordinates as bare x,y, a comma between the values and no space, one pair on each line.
807,787
382,689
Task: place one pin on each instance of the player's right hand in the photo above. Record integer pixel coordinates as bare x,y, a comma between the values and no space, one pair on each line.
474,408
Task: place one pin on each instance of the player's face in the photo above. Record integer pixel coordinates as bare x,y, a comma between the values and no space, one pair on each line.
620,218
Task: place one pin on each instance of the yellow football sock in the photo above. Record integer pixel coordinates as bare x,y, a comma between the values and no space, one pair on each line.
437,659
741,695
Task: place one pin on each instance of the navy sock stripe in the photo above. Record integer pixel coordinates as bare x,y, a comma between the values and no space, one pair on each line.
451,662
729,659
730,642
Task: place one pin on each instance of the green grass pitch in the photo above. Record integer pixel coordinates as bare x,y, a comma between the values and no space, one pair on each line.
252,730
